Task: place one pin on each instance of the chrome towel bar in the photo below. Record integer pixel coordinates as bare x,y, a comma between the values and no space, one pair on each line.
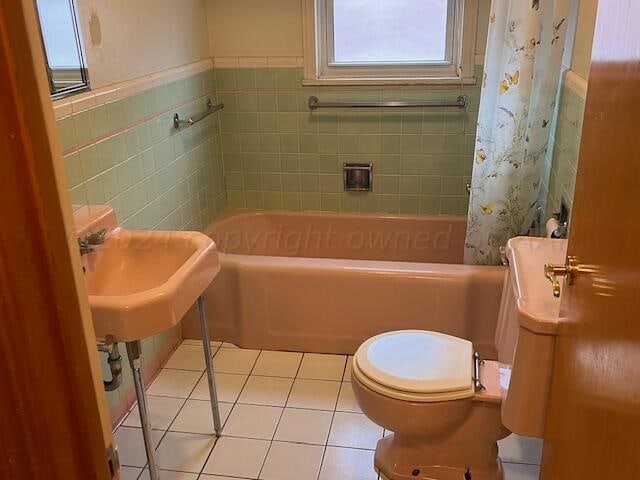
460,102
477,362
211,108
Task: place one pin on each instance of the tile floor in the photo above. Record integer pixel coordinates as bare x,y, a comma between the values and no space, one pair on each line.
287,416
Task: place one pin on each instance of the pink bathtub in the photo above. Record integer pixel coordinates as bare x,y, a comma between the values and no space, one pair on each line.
324,282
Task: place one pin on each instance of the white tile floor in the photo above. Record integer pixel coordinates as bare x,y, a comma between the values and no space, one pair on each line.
286,416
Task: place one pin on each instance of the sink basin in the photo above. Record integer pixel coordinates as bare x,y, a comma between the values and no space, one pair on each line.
142,282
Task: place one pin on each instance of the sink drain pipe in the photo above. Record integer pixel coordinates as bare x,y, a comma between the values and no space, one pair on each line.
115,364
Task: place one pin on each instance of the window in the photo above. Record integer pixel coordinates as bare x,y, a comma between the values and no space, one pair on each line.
390,41
62,44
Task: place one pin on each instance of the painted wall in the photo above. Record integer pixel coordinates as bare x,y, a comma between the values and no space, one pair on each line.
125,39
255,28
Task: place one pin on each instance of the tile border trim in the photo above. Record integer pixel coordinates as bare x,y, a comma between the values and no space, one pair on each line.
257,62
133,125
78,103
576,83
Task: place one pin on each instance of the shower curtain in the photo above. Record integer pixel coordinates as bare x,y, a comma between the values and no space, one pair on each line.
522,68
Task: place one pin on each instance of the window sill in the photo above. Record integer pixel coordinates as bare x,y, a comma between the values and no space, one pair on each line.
389,81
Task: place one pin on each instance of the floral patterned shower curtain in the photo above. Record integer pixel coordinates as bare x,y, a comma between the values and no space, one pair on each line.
522,68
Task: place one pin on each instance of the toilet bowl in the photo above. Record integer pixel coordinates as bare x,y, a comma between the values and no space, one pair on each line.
446,408
420,385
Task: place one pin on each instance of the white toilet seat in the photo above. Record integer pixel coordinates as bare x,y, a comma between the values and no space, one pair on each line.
416,366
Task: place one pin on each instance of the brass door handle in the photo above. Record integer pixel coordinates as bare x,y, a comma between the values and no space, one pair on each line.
568,270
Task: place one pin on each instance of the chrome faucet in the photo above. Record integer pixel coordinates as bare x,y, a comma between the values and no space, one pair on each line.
87,243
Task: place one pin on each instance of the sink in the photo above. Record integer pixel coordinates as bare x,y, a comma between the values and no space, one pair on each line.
141,282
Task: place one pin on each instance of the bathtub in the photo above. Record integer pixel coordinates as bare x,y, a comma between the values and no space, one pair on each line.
325,282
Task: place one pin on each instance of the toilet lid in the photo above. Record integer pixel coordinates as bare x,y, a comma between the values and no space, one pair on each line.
417,361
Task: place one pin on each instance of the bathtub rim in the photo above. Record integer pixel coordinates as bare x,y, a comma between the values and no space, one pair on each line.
371,266
246,212
245,217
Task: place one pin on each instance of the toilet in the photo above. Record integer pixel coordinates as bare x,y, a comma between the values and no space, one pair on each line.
448,407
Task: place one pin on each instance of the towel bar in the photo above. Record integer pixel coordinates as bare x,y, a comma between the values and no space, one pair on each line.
460,102
211,108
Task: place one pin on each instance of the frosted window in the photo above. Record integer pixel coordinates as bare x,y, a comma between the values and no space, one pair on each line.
57,25
61,37
390,31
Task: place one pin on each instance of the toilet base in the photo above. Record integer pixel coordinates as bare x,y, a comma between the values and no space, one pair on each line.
393,463
445,473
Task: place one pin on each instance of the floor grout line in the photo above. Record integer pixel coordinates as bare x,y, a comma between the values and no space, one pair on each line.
155,448
233,405
231,410
281,413
333,414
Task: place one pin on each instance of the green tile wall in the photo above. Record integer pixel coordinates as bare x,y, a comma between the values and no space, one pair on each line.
279,155
564,147
127,154
153,175
266,150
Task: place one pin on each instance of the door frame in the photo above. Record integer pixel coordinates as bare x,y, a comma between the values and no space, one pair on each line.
55,422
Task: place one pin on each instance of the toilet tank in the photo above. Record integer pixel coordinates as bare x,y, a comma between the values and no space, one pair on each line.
526,331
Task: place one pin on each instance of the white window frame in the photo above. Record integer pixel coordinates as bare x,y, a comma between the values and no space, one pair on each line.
318,52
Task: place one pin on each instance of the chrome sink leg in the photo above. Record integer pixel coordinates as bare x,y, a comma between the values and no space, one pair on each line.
204,329
134,351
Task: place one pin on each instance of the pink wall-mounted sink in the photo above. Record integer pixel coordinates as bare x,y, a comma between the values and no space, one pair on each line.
142,282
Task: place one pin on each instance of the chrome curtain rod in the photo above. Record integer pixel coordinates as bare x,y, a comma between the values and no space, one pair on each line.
460,102
211,108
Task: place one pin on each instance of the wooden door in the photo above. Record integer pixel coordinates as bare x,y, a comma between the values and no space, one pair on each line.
54,423
593,425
